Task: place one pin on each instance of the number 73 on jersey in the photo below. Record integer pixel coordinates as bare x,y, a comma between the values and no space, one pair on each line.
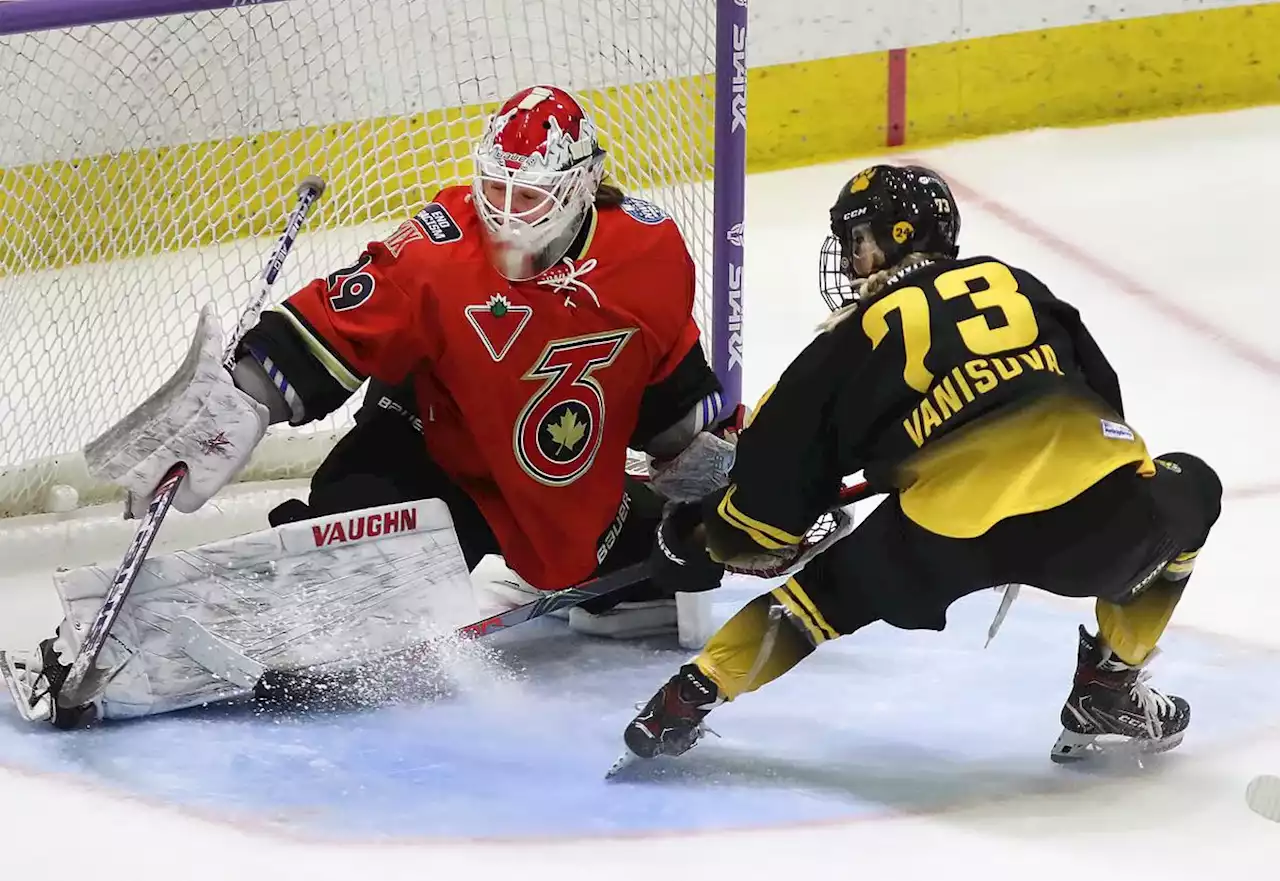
1005,322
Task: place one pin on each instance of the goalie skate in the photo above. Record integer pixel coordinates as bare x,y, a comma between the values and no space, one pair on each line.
30,693
34,678
1112,710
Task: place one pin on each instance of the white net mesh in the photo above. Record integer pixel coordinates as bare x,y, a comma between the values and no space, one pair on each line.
147,167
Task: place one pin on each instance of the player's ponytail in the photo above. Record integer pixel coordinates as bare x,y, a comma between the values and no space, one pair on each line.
609,195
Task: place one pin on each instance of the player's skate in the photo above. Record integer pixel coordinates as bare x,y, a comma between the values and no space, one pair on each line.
34,679
1112,707
671,722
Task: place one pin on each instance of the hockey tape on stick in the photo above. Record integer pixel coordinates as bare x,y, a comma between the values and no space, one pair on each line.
80,687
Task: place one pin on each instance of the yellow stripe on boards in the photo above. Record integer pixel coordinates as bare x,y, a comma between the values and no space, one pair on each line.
165,199
1135,68
152,201
816,111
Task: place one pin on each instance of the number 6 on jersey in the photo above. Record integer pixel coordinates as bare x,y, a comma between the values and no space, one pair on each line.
559,431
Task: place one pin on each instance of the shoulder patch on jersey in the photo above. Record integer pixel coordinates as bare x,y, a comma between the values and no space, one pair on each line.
407,232
1116,430
645,212
438,224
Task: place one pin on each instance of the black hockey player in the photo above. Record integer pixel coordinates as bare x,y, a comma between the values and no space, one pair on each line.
981,405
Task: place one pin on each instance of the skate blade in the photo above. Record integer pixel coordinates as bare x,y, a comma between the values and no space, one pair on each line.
1262,795
1075,749
624,762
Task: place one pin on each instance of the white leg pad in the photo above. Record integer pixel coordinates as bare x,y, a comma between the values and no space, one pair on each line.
688,616
498,588
693,619
626,620
325,590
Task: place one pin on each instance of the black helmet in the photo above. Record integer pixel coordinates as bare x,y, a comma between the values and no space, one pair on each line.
901,210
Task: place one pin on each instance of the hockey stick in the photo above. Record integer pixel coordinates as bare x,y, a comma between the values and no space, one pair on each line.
229,662
84,681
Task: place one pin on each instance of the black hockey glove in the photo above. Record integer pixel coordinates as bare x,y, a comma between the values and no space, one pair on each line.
679,561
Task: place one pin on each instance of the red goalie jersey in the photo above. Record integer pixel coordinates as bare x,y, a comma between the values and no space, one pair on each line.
529,391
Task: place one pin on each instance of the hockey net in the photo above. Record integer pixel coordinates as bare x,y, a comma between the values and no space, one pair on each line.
147,166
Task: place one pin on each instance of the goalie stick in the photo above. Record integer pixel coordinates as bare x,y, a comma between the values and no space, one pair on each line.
84,681
228,661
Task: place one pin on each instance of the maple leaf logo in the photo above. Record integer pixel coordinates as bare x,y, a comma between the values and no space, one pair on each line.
568,432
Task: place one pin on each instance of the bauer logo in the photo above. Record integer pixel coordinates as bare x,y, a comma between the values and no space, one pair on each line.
438,224
608,540
735,316
368,526
739,78
645,212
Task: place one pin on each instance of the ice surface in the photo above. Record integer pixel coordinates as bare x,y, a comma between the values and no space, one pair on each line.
888,754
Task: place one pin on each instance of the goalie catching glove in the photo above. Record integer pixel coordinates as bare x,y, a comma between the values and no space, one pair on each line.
199,417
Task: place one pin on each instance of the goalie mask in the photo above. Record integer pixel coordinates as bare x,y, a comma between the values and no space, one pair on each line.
882,216
537,170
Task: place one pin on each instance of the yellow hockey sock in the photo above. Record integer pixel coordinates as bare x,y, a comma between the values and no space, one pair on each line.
1132,630
753,647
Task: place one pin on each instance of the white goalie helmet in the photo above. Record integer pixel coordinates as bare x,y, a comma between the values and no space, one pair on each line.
538,166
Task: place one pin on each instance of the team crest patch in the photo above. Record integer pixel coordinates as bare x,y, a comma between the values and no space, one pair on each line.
438,224
498,322
645,212
560,429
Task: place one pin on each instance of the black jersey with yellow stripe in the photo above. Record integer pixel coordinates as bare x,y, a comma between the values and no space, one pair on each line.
960,373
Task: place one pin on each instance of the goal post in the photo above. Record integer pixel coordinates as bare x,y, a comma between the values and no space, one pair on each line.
149,150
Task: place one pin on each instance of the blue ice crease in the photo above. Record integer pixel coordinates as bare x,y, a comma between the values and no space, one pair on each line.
879,722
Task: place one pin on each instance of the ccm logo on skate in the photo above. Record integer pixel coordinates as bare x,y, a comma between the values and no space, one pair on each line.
368,526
